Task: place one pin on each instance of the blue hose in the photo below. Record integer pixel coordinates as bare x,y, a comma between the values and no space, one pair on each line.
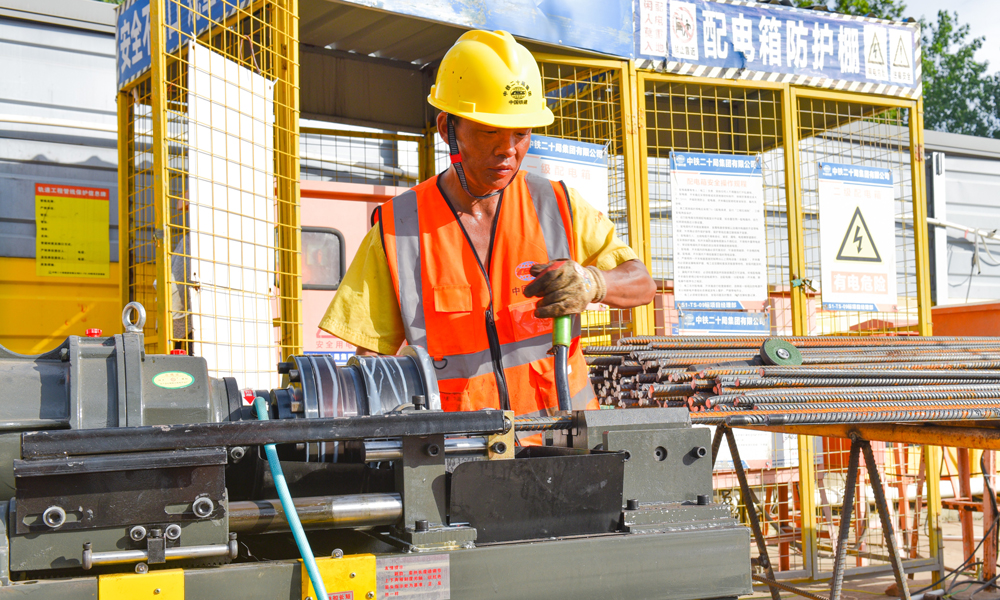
289,507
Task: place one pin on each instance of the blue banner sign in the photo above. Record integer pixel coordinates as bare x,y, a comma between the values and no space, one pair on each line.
757,323
133,40
731,38
855,174
183,20
603,26
568,150
715,163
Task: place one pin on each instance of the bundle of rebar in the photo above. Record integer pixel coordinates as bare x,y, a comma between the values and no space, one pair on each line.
841,380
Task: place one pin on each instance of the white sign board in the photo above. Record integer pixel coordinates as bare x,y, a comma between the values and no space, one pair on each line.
653,23
582,166
720,258
857,238
683,30
232,218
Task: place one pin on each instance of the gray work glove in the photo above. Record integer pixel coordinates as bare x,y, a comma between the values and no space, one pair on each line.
565,287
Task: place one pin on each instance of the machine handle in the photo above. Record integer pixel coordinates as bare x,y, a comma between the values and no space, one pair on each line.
562,330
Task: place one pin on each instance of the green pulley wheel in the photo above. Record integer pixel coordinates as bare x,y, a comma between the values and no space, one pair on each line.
780,353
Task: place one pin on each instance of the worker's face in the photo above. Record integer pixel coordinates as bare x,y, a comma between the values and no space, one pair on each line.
490,155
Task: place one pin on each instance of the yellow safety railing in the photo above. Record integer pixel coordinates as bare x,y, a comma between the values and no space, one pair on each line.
209,173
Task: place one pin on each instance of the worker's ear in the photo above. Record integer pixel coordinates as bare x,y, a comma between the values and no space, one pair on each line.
442,125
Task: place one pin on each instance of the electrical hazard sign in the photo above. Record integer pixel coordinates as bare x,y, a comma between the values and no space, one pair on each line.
901,53
858,243
857,238
876,61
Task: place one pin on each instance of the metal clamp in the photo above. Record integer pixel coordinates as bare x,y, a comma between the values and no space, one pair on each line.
140,320
803,282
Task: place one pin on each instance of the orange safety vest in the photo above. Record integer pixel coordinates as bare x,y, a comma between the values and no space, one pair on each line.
489,349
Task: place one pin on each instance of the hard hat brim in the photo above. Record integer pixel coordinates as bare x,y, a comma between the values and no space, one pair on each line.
541,118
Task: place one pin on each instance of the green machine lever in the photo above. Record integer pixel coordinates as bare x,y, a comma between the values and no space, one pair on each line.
562,335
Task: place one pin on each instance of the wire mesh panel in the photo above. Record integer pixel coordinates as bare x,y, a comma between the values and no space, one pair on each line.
140,218
771,463
685,115
373,158
586,100
213,253
864,135
904,482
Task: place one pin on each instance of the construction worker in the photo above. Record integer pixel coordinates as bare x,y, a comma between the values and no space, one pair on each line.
453,264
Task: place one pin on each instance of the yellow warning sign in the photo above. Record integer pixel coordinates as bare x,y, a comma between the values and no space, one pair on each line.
72,225
858,244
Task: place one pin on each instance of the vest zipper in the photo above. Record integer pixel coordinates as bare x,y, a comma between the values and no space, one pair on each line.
491,327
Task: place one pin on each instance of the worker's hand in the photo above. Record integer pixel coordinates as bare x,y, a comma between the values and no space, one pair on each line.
565,287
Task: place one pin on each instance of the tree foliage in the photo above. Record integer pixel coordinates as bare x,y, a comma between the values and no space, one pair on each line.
881,9
959,95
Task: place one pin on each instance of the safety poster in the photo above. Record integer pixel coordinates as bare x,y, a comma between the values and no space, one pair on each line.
582,166
72,225
720,258
857,238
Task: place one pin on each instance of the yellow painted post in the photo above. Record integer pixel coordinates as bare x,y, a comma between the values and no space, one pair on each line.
800,314
636,192
793,203
428,154
124,194
807,500
161,231
920,235
932,466
287,148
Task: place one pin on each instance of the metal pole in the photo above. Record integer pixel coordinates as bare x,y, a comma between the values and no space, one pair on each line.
840,552
758,536
325,512
636,153
720,432
888,532
989,515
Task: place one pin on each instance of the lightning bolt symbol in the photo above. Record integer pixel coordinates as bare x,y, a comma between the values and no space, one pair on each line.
857,237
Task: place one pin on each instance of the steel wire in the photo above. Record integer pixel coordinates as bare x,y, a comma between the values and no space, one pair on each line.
865,404
750,419
890,372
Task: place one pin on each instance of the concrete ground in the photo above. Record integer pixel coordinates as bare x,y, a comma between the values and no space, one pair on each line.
875,588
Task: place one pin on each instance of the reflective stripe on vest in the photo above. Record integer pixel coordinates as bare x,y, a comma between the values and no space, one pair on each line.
549,216
411,301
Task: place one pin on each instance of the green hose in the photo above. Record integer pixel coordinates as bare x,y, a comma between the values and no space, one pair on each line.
289,507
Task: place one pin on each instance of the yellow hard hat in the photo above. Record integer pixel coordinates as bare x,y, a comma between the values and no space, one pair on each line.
489,78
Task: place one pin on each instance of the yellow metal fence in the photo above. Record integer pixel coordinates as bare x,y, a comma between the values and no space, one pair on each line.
209,173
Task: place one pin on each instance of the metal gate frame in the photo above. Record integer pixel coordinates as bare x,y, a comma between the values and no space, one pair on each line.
789,100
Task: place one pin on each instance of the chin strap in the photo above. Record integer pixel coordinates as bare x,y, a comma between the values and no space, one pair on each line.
456,161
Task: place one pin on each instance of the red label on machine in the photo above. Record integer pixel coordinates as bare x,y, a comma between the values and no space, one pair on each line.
248,396
340,596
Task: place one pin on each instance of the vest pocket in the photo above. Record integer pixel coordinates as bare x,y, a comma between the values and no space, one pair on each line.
453,298
524,323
